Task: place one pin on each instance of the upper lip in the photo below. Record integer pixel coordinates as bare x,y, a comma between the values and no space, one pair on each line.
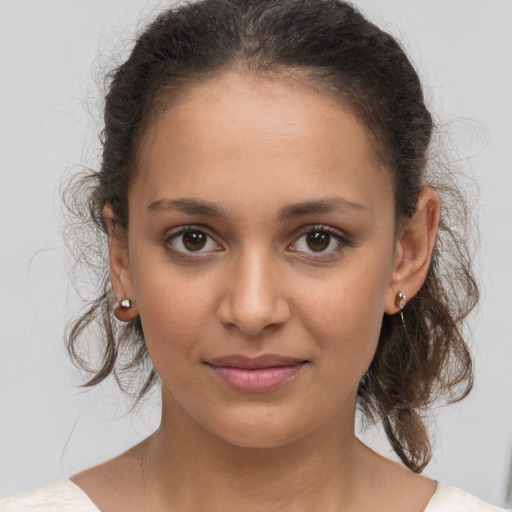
264,361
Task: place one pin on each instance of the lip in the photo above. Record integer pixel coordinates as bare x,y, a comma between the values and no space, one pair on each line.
258,374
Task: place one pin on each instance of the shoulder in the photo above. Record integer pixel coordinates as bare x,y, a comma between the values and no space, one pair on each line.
61,496
452,499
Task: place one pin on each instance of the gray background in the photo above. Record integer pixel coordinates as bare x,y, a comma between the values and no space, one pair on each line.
49,53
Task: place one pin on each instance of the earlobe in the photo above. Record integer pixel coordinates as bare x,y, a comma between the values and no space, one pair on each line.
414,249
120,270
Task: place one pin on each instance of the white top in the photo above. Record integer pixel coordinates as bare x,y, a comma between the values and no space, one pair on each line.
65,496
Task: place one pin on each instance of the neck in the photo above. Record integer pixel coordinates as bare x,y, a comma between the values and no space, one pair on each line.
323,468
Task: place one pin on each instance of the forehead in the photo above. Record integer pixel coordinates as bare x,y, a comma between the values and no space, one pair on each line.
239,132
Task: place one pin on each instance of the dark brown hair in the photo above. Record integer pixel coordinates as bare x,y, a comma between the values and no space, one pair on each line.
330,44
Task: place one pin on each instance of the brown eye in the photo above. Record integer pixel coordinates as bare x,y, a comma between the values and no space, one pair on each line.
322,243
318,240
194,240
189,240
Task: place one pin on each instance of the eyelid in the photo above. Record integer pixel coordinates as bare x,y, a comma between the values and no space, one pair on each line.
189,255
343,239
340,236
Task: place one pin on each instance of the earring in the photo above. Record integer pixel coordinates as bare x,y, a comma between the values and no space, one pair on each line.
400,300
124,311
125,304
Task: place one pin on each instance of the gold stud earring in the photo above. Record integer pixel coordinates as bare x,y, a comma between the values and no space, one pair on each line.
125,304
400,300
125,311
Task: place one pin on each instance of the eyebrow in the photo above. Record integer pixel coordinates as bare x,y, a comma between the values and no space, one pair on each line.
326,205
193,206
188,205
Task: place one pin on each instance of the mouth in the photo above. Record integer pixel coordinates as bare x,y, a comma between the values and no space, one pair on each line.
257,374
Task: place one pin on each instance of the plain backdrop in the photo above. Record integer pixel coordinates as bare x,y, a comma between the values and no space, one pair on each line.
51,53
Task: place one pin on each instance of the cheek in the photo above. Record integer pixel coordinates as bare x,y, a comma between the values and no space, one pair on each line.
345,316
173,309
347,333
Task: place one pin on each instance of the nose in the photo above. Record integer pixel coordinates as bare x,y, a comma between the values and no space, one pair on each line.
254,298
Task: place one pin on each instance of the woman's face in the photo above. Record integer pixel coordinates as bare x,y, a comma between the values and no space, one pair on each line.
260,256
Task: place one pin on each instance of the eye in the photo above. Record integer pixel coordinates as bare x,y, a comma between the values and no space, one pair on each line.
189,239
320,240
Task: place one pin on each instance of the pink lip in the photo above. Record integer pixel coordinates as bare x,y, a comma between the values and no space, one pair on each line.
257,374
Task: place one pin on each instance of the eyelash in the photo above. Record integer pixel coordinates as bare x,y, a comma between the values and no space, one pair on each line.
189,255
342,240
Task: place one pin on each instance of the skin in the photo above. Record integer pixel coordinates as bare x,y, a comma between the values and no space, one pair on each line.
254,149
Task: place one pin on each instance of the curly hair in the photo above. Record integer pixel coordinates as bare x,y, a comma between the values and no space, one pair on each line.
331,45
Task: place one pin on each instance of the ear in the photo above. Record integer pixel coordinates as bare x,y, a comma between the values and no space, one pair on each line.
414,249
120,270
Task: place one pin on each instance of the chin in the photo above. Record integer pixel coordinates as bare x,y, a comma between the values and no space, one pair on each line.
260,441
260,434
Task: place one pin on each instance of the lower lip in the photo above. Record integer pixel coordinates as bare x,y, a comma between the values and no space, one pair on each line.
257,379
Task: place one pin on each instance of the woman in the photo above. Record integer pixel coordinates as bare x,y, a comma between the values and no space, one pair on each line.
272,237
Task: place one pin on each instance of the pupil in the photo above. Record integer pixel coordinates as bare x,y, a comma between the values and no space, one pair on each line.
319,240
194,240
